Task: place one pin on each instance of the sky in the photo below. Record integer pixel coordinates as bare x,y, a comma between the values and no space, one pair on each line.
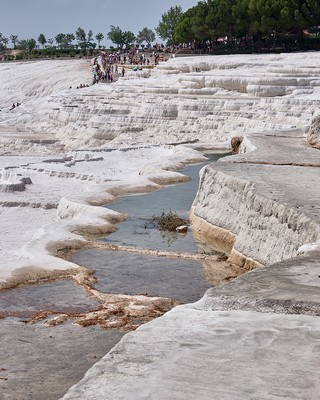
29,18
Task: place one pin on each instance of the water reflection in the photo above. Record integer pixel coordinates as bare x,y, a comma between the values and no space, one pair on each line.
131,273
138,231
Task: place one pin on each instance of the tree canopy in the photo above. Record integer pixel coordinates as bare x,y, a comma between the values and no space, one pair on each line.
236,18
99,37
14,39
203,26
146,35
63,40
3,42
168,23
42,39
119,37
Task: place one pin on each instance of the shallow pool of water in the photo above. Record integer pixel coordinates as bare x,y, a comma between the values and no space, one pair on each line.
58,297
123,272
139,231
128,273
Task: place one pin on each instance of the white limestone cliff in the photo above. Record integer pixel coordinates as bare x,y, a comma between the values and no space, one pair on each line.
259,229
314,131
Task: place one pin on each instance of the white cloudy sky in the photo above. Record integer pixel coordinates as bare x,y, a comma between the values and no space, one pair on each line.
29,18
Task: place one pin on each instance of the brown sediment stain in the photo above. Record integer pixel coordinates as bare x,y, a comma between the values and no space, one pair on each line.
124,312
214,236
18,314
246,263
116,311
224,241
157,253
236,143
34,276
90,232
279,163
120,312
67,249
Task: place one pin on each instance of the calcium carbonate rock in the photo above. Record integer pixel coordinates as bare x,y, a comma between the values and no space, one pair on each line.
244,205
314,131
11,182
182,229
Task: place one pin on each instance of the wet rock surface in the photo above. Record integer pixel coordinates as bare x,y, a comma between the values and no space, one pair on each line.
57,297
49,352
122,272
36,357
257,336
46,329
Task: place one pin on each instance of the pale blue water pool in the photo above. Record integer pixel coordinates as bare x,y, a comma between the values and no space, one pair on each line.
139,231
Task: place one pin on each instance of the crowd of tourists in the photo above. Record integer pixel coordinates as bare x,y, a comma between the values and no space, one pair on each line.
107,67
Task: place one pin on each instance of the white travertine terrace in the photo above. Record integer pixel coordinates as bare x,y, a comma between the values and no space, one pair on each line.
10,182
226,96
262,228
82,147
314,131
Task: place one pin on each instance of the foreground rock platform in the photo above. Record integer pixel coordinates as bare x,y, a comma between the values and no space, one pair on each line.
200,354
34,357
194,351
288,287
257,336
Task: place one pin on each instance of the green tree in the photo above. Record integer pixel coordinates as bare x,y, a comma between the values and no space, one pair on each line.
201,27
42,39
64,40
116,35
14,40
183,31
241,18
146,35
69,38
128,38
90,42
50,41
242,21
81,37
168,22
220,18
314,15
298,15
90,37
22,44
207,20
99,37
59,38
31,45
3,42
